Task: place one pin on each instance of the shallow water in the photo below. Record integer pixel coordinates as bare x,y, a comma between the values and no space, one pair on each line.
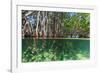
65,49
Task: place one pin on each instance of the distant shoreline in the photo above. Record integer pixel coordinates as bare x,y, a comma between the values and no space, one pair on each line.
63,38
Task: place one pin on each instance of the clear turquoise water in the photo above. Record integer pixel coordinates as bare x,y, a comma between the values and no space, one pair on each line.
60,49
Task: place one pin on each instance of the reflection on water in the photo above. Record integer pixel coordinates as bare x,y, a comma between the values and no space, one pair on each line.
55,50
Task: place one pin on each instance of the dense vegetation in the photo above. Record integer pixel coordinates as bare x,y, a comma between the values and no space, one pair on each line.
45,36
55,24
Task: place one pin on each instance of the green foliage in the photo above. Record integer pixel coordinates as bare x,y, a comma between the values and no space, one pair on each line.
58,24
78,24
